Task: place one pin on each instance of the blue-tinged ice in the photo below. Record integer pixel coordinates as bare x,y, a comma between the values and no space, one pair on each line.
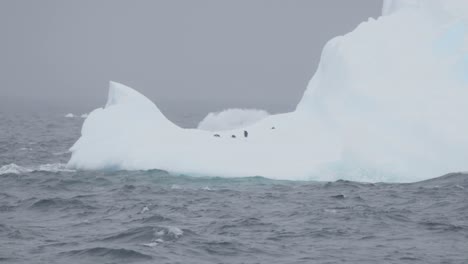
388,103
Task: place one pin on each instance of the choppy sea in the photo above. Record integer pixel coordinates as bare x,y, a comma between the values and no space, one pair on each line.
49,214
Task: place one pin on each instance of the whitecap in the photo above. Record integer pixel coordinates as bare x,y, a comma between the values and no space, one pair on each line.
144,210
16,169
54,167
13,169
154,243
175,231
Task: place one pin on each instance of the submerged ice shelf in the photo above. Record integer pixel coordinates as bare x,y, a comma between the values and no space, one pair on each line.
387,103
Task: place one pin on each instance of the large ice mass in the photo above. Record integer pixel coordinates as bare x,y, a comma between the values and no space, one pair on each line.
387,103
231,119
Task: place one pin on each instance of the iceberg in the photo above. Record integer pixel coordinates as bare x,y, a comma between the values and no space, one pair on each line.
388,103
231,119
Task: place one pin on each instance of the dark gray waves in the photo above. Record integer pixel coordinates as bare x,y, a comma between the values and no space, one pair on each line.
122,217
50,215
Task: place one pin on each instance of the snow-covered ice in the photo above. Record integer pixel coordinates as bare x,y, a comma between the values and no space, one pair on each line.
387,103
231,119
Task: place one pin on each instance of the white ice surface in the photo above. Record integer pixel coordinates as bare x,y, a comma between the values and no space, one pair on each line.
231,119
387,103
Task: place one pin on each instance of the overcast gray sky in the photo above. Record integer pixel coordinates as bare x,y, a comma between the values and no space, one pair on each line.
179,53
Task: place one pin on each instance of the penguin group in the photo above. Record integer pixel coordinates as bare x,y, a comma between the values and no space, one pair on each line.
246,134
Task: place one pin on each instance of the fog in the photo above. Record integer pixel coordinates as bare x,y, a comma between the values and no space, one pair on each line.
183,55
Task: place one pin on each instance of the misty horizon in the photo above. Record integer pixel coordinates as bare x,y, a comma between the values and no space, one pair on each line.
60,55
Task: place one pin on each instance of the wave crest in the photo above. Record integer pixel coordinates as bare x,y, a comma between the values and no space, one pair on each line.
12,168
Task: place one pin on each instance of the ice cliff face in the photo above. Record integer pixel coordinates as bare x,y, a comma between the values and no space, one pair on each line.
441,7
387,103
395,89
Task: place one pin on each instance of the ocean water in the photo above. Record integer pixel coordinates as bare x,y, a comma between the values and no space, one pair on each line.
49,214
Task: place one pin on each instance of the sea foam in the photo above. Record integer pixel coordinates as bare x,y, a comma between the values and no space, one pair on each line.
16,169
